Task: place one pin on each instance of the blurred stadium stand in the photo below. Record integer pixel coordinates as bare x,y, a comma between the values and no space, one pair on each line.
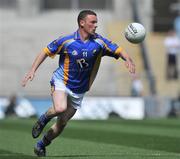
157,57
164,15
27,26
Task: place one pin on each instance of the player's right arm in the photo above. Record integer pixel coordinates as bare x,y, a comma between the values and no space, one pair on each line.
51,50
37,62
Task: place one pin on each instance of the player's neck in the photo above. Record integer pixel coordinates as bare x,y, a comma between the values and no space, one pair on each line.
84,35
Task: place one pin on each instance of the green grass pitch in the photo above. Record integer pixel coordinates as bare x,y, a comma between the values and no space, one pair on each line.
106,139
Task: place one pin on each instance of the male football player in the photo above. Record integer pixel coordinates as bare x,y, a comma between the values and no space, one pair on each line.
80,56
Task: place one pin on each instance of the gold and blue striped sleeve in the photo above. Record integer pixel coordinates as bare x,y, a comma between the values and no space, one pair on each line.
48,52
54,48
111,49
118,51
57,46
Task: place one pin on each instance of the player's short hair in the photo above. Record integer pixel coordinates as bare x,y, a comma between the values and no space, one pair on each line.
83,15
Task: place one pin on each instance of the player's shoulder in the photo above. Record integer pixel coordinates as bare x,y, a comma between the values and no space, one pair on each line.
100,39
64,38
98,36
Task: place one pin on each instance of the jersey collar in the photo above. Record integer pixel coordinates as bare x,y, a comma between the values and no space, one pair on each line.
77,36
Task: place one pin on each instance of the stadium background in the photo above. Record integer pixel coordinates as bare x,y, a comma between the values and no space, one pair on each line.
29,25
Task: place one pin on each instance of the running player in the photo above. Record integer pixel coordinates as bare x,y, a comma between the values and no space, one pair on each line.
80,57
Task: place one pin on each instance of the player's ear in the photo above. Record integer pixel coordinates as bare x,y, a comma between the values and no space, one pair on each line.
82,23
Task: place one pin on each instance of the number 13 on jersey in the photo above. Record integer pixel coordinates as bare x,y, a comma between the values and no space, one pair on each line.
82,63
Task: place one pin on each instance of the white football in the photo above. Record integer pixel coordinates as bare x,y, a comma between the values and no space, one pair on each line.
135,33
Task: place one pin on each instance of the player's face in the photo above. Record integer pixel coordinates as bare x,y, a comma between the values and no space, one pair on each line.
90,24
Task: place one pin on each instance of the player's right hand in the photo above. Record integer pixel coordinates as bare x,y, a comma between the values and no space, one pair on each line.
28,77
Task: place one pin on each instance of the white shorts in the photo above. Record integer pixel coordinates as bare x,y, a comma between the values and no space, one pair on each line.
74,98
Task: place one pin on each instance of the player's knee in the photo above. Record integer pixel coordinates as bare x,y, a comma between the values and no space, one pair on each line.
60,108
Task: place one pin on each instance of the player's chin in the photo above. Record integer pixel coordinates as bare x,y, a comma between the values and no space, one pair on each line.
93,32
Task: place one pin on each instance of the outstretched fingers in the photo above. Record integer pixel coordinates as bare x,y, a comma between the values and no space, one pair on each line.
28,77
131,66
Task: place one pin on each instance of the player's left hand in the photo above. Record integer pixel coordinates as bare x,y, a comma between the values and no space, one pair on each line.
130,65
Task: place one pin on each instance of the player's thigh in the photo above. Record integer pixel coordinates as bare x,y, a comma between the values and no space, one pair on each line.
67,114
59,100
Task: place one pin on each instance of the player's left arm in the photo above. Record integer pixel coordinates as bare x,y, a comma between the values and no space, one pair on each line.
128,60
113,50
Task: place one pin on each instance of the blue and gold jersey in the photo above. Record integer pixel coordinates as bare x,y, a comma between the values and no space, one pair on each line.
79,61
